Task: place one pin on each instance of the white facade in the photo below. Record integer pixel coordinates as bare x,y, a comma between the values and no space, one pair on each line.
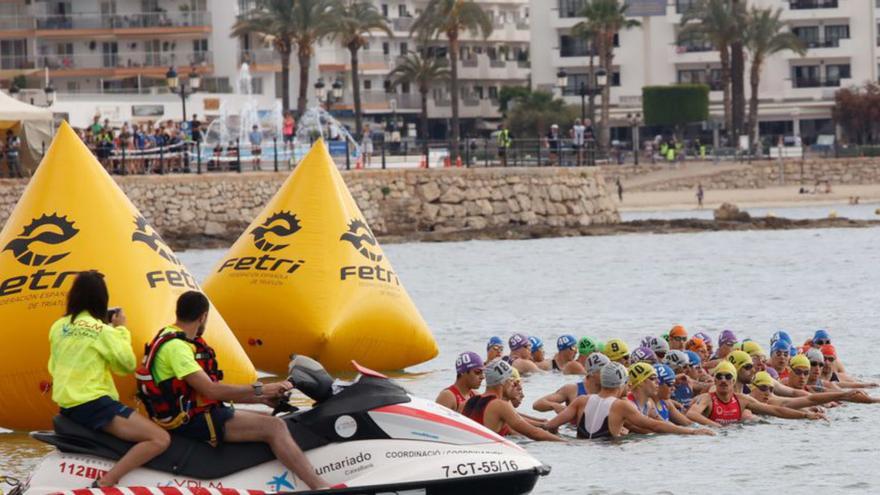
796,92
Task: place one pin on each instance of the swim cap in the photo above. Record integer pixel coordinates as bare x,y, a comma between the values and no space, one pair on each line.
793,351
772,372
616,349
613,376
739,359
694,359
799,361
596,362
678,331
695,344
815,356
565,342
665,375
780,345
738,346
646,341
705,336
780,335
828,350
665,336
753,349
536,343
493,341
643,354
640,372
821,335
762,378
587,346
600,346
726,337
658,345
514,374
677,359
497,371
725,367
517,341
467,361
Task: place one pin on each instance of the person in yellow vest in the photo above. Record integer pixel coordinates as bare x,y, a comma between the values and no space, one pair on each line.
180,384
83,351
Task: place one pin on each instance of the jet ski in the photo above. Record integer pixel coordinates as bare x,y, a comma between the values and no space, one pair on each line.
369,436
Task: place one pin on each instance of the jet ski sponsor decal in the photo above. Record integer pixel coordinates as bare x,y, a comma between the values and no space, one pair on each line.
82,471
189,483
280,483
350,465
484,467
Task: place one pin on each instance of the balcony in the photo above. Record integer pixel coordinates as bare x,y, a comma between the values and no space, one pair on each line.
17,62
815,83
123,64
261,60
812,4
123,24
402,24
570,8
11,26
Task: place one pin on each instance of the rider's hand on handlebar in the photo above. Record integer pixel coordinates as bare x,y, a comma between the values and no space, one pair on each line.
277,389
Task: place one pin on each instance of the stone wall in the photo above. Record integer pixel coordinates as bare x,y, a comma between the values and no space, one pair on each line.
394,202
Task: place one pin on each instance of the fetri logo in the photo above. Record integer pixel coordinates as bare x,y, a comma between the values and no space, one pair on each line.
282,224
145,234
175,277
48,229
361,237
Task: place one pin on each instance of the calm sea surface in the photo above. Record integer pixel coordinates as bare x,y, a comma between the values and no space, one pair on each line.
632,285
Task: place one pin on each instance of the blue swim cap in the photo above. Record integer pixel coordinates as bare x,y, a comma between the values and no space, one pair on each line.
780,335
821,335
565,342
536,343
694,358
792,351
493,341
665,375
780,345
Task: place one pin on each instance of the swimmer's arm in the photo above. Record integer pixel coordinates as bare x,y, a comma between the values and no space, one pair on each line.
777,411
446,399
783,390
568,414
516,423
816,399
697,411
574,368
540,423
854,384
678,418
554,402
632,416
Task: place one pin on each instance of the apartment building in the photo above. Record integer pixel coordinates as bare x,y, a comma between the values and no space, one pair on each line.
796,92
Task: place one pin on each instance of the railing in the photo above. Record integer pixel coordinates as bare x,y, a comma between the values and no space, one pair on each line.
470,62
402,24
682,6
815,83
17,62
498,64
695,48
260,56
139,20
828,43
813,4
524,64
577,52
471,101
124,60
14,23
570,8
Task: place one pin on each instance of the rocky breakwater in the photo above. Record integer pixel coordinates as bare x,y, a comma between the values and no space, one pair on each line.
206,210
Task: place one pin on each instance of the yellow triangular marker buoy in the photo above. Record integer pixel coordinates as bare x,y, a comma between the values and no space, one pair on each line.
308,277
73,217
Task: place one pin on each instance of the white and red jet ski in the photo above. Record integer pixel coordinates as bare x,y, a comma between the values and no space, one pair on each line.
369,437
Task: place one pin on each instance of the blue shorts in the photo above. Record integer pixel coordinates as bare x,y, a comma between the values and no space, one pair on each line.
98,413
208,426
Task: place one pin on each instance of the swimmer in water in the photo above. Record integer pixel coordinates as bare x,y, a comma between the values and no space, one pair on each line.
564,360
521,354
565,395
468,378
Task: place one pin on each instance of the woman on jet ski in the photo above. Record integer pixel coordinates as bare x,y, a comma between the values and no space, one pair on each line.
83,351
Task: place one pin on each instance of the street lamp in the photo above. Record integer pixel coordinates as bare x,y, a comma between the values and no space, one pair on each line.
562,81
328,97
635,120
50,94
177,86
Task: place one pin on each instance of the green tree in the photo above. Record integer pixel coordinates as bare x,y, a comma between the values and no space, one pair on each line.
856,110
507,94
605,19
289,24
714,22
421,72
353,22
765,35
450,18
533,113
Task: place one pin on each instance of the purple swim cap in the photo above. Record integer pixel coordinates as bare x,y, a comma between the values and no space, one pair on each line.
468,361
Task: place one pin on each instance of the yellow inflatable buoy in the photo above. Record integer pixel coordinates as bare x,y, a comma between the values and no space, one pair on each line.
308,277
73,217
832,214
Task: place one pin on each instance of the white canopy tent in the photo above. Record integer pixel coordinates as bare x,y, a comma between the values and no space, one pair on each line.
32,124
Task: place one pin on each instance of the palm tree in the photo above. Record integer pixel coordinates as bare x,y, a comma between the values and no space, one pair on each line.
765,35
450,18
713,22
586,33
421,72
354,21
288,24
605,18
737,74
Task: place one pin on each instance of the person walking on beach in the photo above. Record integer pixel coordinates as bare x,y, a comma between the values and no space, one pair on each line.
700,195
619,190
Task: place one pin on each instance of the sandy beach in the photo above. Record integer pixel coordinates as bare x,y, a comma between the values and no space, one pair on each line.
772,197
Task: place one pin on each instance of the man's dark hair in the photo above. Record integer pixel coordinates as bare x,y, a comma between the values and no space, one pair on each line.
191,305
88,293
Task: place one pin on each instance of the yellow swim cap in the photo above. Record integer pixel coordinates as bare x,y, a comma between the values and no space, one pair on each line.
616,349
762,378
739,359
640,372
725,367
514,375
753,348
799,361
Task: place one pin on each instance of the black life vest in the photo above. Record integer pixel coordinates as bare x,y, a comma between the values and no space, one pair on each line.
173,402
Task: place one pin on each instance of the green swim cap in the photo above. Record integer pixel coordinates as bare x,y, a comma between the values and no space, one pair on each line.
600,346
587,346
665,336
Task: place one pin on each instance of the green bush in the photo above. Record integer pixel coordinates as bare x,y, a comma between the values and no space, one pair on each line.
675,105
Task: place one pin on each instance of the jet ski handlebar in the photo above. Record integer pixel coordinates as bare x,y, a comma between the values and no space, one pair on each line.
310,378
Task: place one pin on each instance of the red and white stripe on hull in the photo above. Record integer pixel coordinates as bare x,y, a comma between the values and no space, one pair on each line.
158,490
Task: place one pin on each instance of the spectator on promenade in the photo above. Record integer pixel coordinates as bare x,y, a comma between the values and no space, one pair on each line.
504,142
196,128
11,150
255,137
367,146
96,126
578,139
288,130
553,143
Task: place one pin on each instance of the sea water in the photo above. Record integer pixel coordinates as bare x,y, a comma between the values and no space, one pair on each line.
629,286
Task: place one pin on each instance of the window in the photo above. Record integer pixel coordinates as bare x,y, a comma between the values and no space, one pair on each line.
385,9
615,79
405,88
110,51
572,46
14,54
401,10
386,48
493,92
682,6
404,48
570,8
200,45
710,77
368,84
834,73
833,34
806,76
808,34
388,87
478,91
257,85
